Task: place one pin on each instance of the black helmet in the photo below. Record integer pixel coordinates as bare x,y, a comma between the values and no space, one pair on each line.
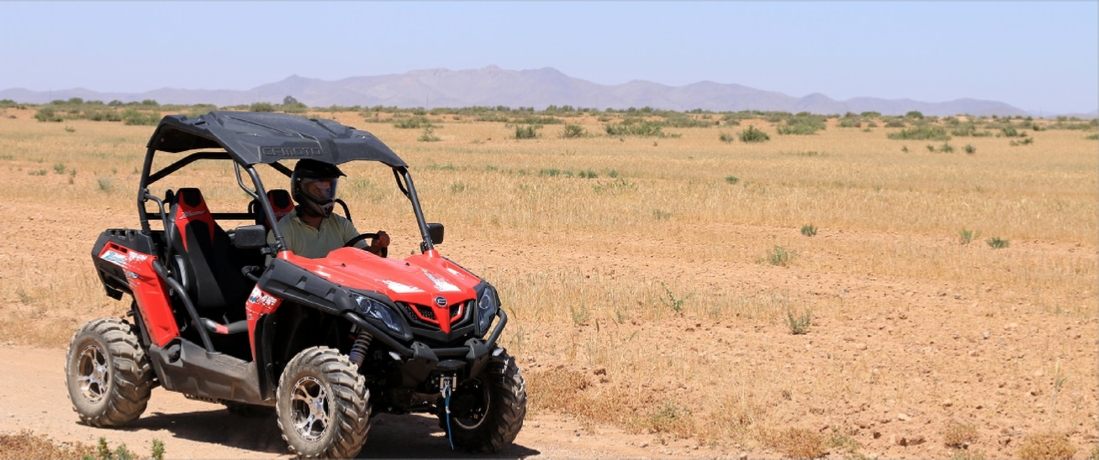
313,186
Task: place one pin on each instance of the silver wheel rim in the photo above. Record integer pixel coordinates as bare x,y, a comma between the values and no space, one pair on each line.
309,408
477,416
92,373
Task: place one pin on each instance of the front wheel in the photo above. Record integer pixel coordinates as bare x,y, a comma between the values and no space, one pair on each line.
487,412
323,405
107,373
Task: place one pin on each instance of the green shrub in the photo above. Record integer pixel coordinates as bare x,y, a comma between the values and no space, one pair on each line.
636,127
922,132
731,180
802,125
849,122
753,135
799,325
261,107
808,230
964,129
588,174
726,137
47,114
527,132
415,122
573,132
970,150
1093,137
895,123
997,243
946,148
1010,131
914,114
428,135
966,236
137,118
779,256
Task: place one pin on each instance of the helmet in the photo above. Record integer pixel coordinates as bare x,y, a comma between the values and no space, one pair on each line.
313,186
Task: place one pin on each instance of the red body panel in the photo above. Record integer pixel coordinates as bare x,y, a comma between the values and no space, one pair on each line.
150,295
259,303
420,279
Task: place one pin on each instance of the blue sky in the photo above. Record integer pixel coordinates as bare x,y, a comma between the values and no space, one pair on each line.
1035,56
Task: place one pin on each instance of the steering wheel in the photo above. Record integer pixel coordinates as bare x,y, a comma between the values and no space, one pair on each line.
353,241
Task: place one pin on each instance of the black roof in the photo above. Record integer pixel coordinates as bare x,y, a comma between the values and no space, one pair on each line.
260,137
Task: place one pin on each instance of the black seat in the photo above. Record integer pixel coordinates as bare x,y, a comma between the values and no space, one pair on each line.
204,250
280,204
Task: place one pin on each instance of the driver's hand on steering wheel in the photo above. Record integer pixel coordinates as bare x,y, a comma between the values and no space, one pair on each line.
382,241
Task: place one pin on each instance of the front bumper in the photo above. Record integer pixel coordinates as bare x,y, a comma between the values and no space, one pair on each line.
419,361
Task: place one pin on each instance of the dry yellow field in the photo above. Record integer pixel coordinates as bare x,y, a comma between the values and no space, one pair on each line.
646,282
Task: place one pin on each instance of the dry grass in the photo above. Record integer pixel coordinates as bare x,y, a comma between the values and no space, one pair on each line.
799,443
25,445
959,435
637,296
1046,446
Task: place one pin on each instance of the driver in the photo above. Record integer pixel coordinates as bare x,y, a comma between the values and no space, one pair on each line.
311,230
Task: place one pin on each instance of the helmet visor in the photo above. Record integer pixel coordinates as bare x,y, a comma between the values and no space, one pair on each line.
322,190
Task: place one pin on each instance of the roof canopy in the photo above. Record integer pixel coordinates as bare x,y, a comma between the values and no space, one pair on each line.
258,137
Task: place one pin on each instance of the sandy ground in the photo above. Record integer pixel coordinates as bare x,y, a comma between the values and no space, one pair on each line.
34,399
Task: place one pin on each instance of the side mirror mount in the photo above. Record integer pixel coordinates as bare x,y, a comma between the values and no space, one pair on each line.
435,231
250,237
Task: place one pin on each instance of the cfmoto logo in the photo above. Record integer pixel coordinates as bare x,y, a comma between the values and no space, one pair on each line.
440,301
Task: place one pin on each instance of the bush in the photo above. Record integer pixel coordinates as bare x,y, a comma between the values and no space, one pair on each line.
636,127
922,132
914,114
726,137
134,117
573,132
731,180
261,107
1045,446
428,135
997,243
895,123
802,125
970,150
779,256
799,325
808,230
416,122
527,132
753,135
47,114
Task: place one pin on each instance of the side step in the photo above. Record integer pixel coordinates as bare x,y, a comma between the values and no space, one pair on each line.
188,368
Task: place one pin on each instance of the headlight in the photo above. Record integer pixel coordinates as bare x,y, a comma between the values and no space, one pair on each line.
486,309
371,308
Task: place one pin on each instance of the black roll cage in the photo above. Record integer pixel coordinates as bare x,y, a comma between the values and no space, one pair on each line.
259,193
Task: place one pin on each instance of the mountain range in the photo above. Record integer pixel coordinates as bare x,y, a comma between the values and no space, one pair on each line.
492,86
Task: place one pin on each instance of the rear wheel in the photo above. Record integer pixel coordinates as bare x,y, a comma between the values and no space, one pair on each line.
107,373
486,413
323,405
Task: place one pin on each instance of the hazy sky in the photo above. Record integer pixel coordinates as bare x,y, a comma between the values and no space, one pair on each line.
1035,56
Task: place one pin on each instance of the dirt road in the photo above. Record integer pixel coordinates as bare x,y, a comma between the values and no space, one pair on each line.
33,398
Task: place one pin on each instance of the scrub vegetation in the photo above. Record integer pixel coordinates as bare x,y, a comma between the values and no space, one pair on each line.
651,289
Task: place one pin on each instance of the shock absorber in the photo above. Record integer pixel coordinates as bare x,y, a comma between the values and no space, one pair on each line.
358,349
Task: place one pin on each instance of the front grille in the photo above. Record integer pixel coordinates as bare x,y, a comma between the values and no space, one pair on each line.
426,312
424,316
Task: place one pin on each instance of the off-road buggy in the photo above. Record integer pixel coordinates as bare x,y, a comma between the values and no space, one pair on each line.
226,317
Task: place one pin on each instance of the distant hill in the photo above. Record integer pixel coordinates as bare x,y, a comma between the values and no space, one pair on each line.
493,86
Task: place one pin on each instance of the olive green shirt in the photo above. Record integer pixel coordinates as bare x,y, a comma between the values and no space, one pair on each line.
305,241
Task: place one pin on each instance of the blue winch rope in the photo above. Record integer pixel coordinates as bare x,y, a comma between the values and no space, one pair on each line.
449,432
